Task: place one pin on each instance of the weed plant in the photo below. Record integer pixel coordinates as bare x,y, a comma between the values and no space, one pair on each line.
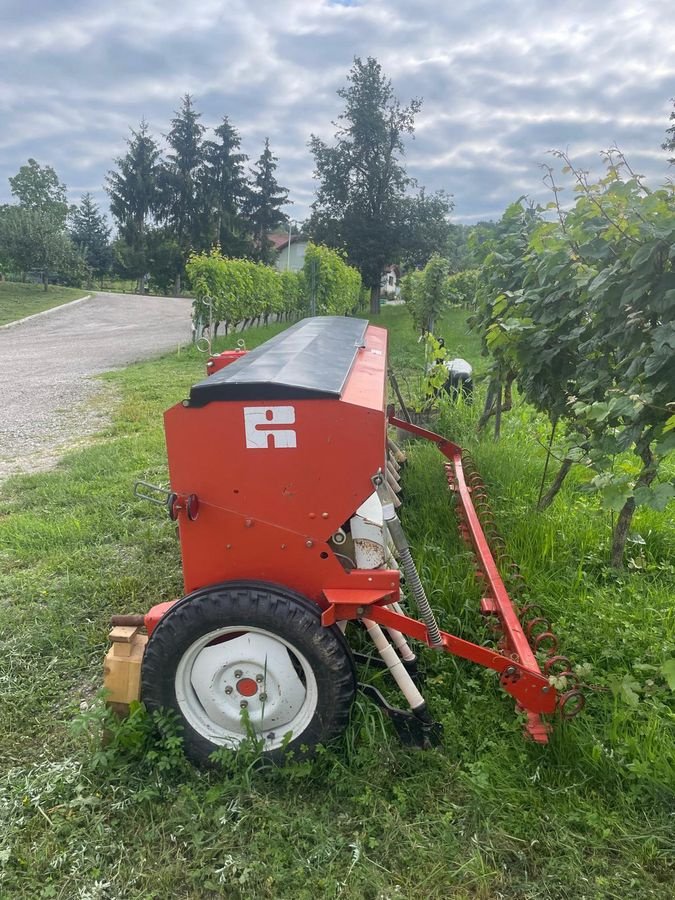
487,815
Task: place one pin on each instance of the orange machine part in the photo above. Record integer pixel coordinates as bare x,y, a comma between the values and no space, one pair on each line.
267,512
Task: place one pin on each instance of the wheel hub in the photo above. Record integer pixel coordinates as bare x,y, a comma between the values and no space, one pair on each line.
247,687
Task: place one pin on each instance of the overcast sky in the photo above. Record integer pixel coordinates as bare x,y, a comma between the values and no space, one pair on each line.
503,81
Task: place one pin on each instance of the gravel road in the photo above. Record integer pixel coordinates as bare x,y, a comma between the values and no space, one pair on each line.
47,364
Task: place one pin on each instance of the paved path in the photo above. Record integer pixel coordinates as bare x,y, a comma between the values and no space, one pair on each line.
46,366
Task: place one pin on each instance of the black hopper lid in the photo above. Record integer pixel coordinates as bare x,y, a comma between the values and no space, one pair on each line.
310,360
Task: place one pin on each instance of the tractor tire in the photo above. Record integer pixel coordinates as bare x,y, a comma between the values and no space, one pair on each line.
249,650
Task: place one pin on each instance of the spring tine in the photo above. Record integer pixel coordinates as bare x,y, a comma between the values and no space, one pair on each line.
391,471
573,699
545,636
555,661
399,455
540,621
531,608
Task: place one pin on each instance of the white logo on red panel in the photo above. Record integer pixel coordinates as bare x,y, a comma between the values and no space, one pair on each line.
266,427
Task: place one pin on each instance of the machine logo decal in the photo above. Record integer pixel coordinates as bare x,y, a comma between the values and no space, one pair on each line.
266,427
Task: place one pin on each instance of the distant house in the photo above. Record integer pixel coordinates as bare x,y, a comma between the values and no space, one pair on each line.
289,257
390,288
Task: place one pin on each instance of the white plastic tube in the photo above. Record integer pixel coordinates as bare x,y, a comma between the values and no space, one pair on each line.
394,664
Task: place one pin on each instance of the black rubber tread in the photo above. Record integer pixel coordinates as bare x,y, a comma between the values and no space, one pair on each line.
261,605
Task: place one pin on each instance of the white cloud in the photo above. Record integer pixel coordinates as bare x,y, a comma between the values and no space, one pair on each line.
503,81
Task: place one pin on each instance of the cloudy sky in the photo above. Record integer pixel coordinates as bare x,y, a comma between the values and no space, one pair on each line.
503,82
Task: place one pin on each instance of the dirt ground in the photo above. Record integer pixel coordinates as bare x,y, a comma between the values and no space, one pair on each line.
47,366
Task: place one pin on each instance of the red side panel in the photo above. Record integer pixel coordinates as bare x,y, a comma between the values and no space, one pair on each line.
275,480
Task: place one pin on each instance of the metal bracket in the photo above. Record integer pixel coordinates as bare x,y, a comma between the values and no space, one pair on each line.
158,495
411,730
170,500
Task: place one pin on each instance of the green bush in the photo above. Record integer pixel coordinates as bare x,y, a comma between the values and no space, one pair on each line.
335,286
231,291
461,288
425,293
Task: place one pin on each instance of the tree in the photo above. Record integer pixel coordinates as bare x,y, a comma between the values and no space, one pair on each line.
33,232
91,235
362,181
423,228
669,143
133,192
5,259
31,239
179,179
224,189
165,259
263,205
425,293
38,188
456,249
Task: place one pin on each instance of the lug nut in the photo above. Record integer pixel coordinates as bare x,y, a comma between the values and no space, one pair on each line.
238,673
228,690
263,697
259,679
243,704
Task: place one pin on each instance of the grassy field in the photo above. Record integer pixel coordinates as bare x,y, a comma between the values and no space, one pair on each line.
488,815
19,300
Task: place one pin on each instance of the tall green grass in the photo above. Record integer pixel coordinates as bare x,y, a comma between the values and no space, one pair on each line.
488,815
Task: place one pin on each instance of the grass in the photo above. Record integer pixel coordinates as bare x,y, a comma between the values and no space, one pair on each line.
20,300
486,816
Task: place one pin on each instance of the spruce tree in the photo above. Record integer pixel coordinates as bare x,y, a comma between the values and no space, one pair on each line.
264,203
133,191
181,175
225,190
91,235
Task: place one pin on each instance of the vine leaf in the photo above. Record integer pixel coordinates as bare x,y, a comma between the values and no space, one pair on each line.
668,672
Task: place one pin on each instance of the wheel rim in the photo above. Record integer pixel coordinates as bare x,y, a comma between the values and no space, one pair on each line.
234,670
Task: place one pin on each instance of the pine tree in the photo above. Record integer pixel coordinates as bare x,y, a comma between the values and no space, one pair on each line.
181,175
264,204
91,235
225,190
133,191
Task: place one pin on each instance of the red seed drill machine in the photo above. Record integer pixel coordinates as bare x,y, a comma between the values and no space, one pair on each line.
284,485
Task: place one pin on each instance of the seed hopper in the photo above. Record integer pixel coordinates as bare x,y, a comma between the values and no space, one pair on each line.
285,488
